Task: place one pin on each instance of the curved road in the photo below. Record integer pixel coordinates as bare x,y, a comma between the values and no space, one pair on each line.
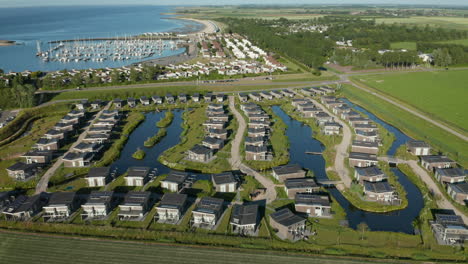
236,159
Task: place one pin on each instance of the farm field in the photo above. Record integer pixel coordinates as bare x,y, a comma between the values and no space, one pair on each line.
445,22
409,45
412,125
48,249
456,41
438,93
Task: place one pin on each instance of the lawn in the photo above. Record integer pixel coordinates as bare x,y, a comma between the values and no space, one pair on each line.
456,41
439,93
409,45
444,22
410,124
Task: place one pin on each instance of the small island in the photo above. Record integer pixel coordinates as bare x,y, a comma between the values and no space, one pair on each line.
139,154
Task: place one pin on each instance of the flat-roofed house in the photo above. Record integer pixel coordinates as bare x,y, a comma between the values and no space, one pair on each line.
309,112
369,174
350,114
357,159
38,156
281,173
23,208
340,109
207,212
138,176
98,205
174,181
225,182
218,117
217,133
144,100
365,147
21,171
213,143
418,148
256,132
459,192
135,206
256,153
313,205
289,225
171,207
244,219
47,144
266,95
255,97
64,127
353,121
449,229
61,206
299,101
321,118
100,138
431,162
367,136
88,147
54,133
70,119
100,130
287,93
365,127
74,160
259,124
450,175
292,186
255,141
214,124
98,177
331,128
379,191
200,153
243,97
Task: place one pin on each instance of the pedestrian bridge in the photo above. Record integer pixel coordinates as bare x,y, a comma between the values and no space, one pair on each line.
327,182
392,159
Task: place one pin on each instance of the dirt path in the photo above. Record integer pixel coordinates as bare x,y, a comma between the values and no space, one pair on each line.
236,159
416,113
44,181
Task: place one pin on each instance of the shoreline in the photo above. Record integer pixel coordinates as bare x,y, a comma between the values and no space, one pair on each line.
5,43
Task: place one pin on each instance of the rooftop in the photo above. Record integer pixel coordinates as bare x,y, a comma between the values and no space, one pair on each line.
223,178
200,150
365,144
99,172
298,183
136,198
369,171
362,156
22,204
244,214
436,159
288,169
75,156
286,218
461,187
212,140
417,144
177,177
138,171
61,198
173,200
451,172
99,197
377,187
256,149
312,199
210,205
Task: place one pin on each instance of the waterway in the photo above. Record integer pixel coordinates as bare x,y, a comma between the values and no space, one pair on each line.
28,25
301,140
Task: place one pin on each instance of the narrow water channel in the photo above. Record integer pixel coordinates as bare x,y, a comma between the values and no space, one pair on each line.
301,141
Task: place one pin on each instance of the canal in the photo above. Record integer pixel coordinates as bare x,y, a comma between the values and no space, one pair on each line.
301,140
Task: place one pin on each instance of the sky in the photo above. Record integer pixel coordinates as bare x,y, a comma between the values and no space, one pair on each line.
28,3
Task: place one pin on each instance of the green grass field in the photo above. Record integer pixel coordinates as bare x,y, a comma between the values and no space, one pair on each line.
440,93
410,124
409,45
445,22
456,41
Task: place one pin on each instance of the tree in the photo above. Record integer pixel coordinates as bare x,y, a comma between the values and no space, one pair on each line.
362,227
442,57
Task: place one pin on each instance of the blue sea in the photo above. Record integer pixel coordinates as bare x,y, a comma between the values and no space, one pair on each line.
44,24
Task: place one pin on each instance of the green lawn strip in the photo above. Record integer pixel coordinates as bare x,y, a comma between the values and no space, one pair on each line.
407,45
280,192
263,230
166,120
411,125
422,92
68,179
249,185
224,226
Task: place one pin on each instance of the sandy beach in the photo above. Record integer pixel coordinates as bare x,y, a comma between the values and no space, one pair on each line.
7,43
208,25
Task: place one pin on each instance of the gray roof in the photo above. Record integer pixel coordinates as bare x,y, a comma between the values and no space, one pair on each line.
365,144
244,214
254,139
288,169
257,130
136,198
23,203
436,159
417,144
21,166
369,171
377,187
177,177
451,172
449,219
362,156
312,199
99,197
256,149
286,218
46,141
84,145
210,205
99,172
173,200
138,171
212,140
461,187
299,183
217,131
75,156
38,153
223,178
61,198
201,150
53,132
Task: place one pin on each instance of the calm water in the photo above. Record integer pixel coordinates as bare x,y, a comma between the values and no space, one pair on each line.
399,221
28,25
148,129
